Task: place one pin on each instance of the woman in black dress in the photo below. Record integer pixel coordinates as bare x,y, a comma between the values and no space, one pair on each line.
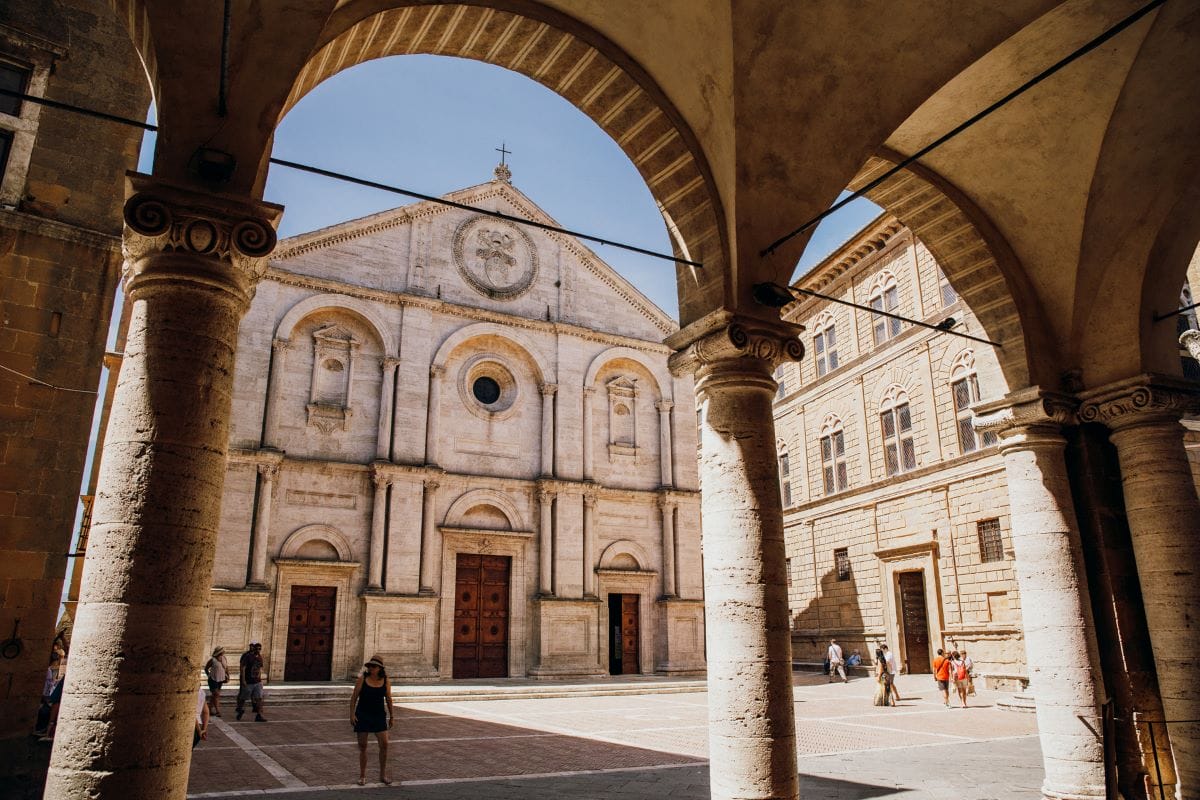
372,712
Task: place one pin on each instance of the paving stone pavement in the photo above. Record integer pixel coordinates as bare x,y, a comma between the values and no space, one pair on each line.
642,747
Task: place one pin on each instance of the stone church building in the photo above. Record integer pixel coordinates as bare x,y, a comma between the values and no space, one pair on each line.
455,443
896,511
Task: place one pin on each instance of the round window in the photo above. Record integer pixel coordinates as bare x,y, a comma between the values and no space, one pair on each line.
486,390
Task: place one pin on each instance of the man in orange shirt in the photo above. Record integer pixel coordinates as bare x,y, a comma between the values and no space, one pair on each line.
941,673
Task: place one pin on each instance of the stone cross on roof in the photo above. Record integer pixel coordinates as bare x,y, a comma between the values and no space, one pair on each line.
502,172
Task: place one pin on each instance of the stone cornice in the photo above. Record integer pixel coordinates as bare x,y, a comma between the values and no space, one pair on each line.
62,231
1030,407
881,235
725,337
439,306
904,551
1133,400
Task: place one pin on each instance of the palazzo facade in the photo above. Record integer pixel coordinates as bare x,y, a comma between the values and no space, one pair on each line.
896,511
455,443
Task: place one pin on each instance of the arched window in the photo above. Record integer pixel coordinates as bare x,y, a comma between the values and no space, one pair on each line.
825,344
949,296
899,454
785,474
964,386
884,296
833,455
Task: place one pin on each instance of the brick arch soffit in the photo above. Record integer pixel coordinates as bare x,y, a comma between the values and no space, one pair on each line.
484,497
624,547
978,263
337,302
615,353
511,335
319,533
585,69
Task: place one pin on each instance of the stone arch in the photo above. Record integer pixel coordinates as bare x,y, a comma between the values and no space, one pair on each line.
892,394
316,533
355,306
510,335
609,559
963,364
583,67
831,423
977,261
614,353
457,512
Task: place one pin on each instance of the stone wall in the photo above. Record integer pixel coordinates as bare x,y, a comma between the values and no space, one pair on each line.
59,263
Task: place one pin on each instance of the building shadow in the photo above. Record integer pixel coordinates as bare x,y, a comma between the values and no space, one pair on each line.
445,757
834,613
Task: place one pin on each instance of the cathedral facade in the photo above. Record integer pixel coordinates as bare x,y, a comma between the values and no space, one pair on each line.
456,444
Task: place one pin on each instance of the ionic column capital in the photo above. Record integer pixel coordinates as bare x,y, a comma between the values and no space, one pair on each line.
268,471
1141,400
548,389
162,217
1190,341
381,476
589,498
546,496
664,406
1020,416
431,485
725,339
388,362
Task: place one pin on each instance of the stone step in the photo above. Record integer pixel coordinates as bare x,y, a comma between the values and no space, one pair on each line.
1021,702
446,691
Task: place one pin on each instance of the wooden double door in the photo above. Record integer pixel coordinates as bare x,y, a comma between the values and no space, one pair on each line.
481,591
310,634
625,632
914,621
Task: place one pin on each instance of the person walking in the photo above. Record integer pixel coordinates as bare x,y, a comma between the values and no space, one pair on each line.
970,673
836,662
941,674
958,670
216,669
202,717
893,668
883,694
372,712
250,685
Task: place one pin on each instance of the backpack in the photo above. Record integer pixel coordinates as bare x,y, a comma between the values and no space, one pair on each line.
960,673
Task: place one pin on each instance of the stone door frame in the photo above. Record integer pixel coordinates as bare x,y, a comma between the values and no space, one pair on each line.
513,544
629,581
920,557
303,572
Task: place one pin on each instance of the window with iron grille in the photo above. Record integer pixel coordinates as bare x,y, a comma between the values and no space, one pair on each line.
841,559
966,394
949,296
991,546
833,461
825,349
787,494
784,465
787,564
885,298
899,454
781,382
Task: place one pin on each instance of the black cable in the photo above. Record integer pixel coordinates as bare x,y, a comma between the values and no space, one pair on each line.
146,126
1029,84
223,86
1175,313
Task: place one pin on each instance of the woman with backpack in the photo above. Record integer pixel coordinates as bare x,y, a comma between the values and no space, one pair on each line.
961,676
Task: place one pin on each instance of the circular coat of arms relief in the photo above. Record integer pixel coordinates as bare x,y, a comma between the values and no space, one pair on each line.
495,257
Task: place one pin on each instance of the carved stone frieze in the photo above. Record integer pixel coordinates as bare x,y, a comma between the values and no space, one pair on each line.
1131,401
495,258
734,338
161,217
1026,408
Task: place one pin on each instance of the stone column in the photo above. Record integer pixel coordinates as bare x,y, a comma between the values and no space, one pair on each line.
429,546
548,391
589,544
667,505
125,726
1060,645
557,571
588,394
545,542
435,404
378,528
664,440
262,524
752,736
1164,526
270,433
383,440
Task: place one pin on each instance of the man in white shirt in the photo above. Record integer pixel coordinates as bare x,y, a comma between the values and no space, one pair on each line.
836,663
893,668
